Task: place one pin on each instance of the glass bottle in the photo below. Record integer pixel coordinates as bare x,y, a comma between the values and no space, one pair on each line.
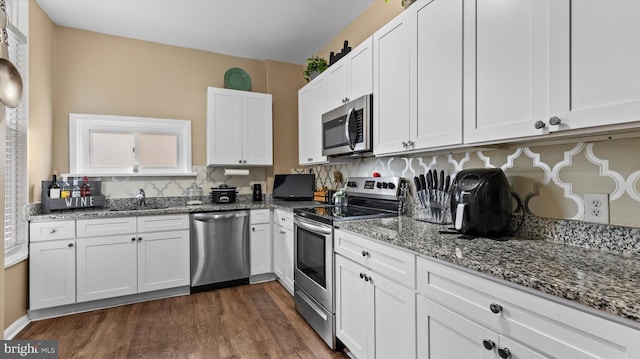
86,188
53,190
75,190
65,191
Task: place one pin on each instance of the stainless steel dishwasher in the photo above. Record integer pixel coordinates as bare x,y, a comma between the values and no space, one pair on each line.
219,249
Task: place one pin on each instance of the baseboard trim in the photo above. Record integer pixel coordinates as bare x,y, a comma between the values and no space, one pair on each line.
16,327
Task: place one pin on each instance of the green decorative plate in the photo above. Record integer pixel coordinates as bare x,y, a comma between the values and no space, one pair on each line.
237,79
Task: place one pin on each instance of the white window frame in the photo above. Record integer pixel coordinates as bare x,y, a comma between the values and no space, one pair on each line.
16,194
81,127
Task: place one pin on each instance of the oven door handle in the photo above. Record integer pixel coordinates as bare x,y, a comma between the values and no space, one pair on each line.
312,227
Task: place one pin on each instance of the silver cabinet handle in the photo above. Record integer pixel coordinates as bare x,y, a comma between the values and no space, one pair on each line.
52,230
70,245
555,120
539,124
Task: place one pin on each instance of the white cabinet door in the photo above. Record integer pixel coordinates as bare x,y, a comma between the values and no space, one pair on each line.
288,259
394,85
106,267
506,67
338,87
351,77
224,127
239,128
257,142
595,76
439,72
353,307
394,313
375,317
445,334
52,273
279,252
163,260
311,106
260,248
361,74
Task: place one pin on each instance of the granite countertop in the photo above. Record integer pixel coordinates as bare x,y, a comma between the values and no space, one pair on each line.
599,279
164,208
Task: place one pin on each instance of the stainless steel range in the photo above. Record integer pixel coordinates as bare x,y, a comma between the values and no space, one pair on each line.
367,197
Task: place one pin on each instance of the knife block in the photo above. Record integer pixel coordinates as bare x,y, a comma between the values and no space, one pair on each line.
437,207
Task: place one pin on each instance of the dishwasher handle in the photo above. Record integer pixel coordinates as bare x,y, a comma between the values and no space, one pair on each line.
206,217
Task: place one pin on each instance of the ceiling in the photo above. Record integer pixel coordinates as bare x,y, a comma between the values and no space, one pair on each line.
282,30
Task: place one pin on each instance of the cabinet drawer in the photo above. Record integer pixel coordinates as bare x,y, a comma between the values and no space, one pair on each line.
283,218
260,216
556,329
393,263
105,226
46,231
163,223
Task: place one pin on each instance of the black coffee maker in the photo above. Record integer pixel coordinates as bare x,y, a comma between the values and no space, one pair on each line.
481,202
257,192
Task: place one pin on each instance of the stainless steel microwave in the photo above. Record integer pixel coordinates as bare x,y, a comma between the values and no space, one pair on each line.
347,130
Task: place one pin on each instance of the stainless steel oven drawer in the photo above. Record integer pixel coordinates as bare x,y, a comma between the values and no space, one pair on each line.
320,319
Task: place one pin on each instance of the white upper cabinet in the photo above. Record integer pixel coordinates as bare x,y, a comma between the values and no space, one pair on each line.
418,79
506,69
595,77
312,103
394,84
239,128
351,77
439,73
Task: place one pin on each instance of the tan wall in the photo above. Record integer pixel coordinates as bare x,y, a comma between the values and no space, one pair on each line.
378,14
16,292
96,73
285,116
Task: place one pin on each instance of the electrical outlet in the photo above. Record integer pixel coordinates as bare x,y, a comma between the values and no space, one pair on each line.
596,207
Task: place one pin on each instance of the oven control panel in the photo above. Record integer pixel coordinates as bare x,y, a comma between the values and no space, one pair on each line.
374,187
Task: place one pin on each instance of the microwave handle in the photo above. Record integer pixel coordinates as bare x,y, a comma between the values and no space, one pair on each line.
346,129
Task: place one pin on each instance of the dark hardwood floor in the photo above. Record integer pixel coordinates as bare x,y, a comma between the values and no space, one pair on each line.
251,321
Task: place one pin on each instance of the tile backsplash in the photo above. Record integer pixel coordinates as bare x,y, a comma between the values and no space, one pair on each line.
550,180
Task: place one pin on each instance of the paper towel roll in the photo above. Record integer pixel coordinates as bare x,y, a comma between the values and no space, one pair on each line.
235,172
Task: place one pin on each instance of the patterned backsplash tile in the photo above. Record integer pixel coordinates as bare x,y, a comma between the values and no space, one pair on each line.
550,180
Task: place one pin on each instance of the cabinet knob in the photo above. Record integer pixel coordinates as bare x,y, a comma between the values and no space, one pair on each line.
309,159
365,253
488,344
52,230
70,245
133,239
404,144
539,124
555,120
245,161
239,161
410,144
361,275
253,229
139,238
495,308
504,353
367,278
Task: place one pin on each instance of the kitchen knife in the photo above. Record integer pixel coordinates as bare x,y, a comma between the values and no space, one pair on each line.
416,180
441,180
447,184
435,179
425,195
429,184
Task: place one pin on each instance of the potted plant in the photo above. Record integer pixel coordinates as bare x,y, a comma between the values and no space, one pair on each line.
315,65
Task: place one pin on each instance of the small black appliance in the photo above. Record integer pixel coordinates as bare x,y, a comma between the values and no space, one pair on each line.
257,192
223,194
481,202
294,187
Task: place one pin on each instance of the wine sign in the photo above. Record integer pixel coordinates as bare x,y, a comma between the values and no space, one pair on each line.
53,204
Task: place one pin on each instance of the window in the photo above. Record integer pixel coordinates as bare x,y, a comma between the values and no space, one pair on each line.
124,145
15,170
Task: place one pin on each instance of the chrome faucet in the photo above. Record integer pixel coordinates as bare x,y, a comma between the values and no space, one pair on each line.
141,198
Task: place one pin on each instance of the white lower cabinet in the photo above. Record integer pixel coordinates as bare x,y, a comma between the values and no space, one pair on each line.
375,316
463,315
91,259
260,242
52,272
283,248
107,267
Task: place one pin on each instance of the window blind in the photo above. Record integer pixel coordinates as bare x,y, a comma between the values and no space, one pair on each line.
16,180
